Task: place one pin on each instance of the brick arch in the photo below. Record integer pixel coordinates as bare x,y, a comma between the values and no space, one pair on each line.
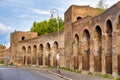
28,55
118,23
55,48
76,38
23,48
34,55
97,48
55,45
85,49
75,55
23,57
29,48
47,54
41,47
108,20
48,47
108,55
40,56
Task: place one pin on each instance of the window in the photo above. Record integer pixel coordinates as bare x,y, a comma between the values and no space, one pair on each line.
23,38
78,18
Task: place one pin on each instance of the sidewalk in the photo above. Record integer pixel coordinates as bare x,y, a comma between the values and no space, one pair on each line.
77,76
67,75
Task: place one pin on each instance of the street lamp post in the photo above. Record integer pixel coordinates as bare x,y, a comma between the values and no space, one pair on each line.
52,12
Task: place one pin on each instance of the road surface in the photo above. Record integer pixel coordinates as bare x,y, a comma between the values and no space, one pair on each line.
7,73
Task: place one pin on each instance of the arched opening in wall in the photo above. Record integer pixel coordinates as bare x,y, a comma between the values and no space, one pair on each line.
76,52
78,18
97,49
108,56
23,38
55,47
34,56
118,24
29,55
40,58
85,50
23,56
47,57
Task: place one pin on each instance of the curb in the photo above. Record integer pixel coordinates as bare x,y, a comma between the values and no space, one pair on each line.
61,76
66,78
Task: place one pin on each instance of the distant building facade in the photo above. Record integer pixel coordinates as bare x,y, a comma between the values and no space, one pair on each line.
2,52
89,42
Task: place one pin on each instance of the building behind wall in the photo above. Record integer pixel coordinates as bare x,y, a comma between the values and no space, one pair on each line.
89,42
2,53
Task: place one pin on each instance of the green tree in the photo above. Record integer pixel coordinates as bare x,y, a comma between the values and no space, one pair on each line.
101,4
52,25
45,27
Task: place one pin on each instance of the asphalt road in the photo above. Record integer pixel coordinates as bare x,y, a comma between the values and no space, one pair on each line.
7,73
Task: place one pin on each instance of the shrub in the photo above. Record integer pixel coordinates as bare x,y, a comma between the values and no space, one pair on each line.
78,71
118,78
106,76
90,73
1,62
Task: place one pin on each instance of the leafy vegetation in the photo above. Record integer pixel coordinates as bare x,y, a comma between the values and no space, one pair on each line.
49,26
106,76
90,73
67,69
118,78
100,10
102,4
1,62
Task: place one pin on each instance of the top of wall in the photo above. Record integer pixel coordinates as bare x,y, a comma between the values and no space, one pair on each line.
75,11
23,32
47,36
2,48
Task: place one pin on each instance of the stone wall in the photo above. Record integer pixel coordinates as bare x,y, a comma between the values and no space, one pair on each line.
46,46
94,44
89,42
17,36
2,52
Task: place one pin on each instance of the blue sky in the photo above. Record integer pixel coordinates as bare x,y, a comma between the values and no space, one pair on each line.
19,15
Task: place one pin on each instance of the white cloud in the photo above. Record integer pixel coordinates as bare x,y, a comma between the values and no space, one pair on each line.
25,17
38,11
5,34
7,45
92,3
110,2
61,9
5,29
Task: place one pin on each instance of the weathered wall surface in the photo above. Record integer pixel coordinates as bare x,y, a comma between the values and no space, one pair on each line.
92,43
2,52
50,45
88,43
17,36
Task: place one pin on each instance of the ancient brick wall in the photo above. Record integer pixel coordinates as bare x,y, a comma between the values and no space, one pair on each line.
97,41
2,52
89,42
17,36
